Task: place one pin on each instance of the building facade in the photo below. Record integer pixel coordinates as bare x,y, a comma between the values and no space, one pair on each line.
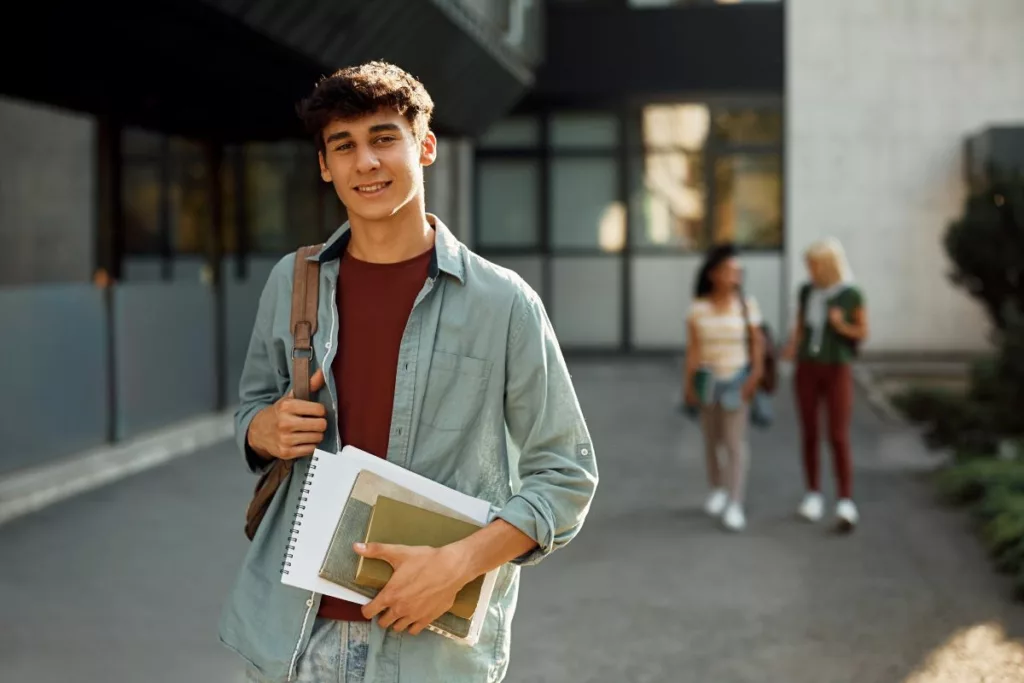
597,147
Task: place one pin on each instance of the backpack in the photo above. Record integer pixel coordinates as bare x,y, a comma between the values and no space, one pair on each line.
805,292
305,295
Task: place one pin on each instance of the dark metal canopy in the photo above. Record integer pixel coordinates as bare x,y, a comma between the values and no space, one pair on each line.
235,69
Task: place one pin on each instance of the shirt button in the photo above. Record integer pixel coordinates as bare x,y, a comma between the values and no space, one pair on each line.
585,451
309,603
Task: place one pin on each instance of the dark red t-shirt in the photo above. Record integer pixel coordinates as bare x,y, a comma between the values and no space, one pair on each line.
374,302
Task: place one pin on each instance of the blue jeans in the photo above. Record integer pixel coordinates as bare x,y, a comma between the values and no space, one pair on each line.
336,654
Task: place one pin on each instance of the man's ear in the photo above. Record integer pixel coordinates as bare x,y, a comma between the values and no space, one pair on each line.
428,149
325,172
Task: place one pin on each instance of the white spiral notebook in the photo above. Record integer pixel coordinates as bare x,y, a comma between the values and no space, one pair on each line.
326,489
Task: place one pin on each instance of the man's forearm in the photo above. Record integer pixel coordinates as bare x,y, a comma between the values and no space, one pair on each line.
494,545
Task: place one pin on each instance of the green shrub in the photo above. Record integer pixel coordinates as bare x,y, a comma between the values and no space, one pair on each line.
1005,529
973,480
1011,559
950,419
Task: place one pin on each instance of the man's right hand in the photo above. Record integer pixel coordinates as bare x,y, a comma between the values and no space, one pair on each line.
290,428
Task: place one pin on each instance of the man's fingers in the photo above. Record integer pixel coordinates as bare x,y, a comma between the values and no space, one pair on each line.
293,406
375,606
316,382
401,624
295,423
292,452
392,554
417,628
302,438
387,618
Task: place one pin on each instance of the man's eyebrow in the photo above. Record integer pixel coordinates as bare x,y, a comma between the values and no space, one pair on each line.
379,128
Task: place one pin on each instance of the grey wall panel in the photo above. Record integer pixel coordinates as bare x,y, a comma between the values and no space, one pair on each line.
530,268
142,269
55,373
243,298
663,293
586,307
164,354
47,194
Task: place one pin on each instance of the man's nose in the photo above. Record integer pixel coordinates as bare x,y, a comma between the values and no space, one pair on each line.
366,160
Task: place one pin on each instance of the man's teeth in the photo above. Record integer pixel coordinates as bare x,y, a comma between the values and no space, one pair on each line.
372,188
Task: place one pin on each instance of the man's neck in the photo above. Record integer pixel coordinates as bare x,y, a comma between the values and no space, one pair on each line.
400,237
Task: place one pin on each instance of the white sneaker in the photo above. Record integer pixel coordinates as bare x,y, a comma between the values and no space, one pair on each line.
813,507
846,515
734,519
716,502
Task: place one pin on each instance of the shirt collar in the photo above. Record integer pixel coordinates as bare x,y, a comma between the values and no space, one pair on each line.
446,257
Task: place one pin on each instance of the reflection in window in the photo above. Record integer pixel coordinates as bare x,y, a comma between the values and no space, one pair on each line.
584,131
509,203
140,188
585,212
747,126
667,200
748,200
190,201
683,126
512,133
283,207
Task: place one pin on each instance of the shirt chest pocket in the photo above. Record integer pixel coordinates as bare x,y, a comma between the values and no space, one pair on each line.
455,390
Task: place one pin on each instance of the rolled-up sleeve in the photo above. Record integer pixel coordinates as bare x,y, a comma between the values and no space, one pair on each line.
260,384
557,466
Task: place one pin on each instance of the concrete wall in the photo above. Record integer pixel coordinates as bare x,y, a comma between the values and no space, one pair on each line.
880,96
47,194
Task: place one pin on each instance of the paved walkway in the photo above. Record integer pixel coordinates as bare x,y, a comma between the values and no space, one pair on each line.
125,583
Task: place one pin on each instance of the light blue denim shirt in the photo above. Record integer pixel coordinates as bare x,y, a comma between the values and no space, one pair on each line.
483,404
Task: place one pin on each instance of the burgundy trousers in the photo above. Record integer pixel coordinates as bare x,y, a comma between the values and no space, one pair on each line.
831,384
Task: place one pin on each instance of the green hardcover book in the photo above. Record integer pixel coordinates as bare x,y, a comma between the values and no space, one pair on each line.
704,385
393,521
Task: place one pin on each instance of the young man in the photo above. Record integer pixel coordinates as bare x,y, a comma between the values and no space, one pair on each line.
426,355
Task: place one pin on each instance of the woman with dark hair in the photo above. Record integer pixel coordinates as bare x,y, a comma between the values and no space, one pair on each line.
723,369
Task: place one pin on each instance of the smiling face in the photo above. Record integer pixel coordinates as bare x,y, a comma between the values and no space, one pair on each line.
375,163
727,275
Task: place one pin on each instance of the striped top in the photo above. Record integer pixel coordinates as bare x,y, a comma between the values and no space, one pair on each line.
722,335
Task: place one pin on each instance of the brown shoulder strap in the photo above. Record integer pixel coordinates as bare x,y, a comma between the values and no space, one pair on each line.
305,293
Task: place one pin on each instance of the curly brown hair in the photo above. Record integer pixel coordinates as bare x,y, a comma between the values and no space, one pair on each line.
360,90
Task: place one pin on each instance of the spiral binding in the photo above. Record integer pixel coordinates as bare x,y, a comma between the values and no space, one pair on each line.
293,535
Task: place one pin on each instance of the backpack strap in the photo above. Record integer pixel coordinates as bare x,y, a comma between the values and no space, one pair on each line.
805,292
305,296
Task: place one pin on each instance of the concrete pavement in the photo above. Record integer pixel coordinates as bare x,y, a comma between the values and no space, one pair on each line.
125,583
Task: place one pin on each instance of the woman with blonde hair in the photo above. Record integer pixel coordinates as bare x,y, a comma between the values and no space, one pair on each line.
831,322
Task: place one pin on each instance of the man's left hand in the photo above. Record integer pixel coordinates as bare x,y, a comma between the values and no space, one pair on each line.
422,588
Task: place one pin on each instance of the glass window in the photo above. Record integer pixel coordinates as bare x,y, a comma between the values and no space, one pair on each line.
140,195
748,200
667,200
281,196
512,133
748,125
584,131
190,203
585,211
675,126
509,203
